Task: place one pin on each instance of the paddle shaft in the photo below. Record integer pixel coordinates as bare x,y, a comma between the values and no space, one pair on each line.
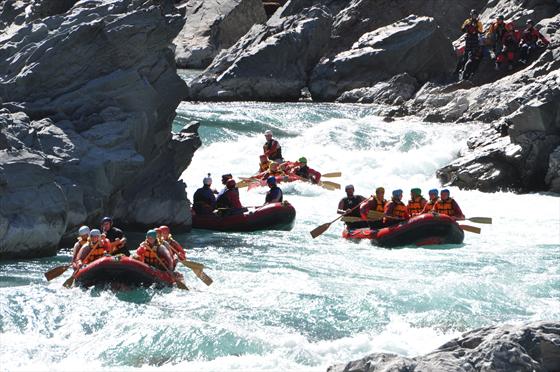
324,227
196,268
68,282
179,283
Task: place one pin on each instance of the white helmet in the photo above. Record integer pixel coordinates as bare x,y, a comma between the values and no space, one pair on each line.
207,180
95,232
266,133
84,230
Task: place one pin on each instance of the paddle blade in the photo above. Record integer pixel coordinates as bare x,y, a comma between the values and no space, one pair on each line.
332,174
330,185
350,219
56,272
202,276
193,265
181,285
68,283
486,220
319,230
375,215
469,228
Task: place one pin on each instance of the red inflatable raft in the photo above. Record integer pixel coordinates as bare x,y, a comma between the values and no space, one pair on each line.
279,179
121,269
274,216
425,229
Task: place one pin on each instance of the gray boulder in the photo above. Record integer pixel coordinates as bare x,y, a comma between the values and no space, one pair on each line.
91,96
213,25
271,62
415,45
529,347
396,91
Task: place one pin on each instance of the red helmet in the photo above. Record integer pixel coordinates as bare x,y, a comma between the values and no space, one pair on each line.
164,229
158,230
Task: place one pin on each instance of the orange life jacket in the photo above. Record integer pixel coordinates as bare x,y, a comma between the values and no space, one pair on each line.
445,207
150,256
379,204
415,206
263,167
97,251
400,210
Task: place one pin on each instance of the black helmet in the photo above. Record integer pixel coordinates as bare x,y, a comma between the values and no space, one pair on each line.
226,177
474,12
529,22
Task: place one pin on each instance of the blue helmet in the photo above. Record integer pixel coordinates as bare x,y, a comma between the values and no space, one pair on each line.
433,192
445,190
397,192
271,180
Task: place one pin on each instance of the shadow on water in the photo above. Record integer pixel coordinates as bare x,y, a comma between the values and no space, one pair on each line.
135,295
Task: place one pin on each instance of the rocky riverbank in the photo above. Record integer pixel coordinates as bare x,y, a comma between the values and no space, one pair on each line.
88,95
529,347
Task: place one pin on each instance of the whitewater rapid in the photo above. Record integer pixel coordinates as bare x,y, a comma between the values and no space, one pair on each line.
282,300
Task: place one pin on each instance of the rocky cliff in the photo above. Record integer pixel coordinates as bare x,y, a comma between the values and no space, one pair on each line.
87,101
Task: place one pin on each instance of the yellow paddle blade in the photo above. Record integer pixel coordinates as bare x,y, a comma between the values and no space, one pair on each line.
470,228
329,185
56,272
202,276
375,215
351,219
319,230
68,282
486,220
332,174
181,285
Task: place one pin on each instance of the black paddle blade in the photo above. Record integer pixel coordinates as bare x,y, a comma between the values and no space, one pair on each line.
56,272
319,230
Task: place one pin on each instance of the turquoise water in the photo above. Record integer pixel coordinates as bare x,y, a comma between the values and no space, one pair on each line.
281,300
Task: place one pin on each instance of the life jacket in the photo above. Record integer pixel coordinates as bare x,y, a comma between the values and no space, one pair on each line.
229,199
275,155
472,26
400,210
303,171
98,250
415,206
272,194
445,207
379,205
150,256
263,167
348,203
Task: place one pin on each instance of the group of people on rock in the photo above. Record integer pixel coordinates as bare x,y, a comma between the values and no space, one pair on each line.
159,249
506,43
394,210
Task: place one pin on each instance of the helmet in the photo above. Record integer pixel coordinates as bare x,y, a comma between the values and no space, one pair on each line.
207,180
474,12
230,184
271,180
106,219
302,160
349,187
433,192
501,17
164,229
151,234
95,232
529,22
397,192
445,190
416,191
226,177
379,189
84,230
158,230
268,133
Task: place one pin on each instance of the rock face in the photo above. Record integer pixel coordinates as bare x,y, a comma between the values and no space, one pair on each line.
530,347
213,25
414,45
397,90
262,64
88,100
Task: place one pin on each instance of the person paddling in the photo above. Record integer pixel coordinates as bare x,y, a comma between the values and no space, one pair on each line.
228,203
274,195
433,194
115,236
204,201
448,206
150,250
395,210
377,203
347,207
83,238
264,163
272,148
416,203
96,245
303,171
175,249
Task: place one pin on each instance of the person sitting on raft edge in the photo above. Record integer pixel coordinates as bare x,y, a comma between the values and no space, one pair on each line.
274,195
115,236
448,206
348,203
396,210
307,173
83,239
204,201
272,148
228,203
150,250
96,248
416,203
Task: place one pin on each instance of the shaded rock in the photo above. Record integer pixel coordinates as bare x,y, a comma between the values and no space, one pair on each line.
213,25
271,62
91,97
529,347
552,178
397,90
415,45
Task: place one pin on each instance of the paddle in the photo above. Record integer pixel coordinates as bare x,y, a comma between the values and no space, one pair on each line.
332,174
179,283
329,185
324,227
486,220
470,228
196,267
56,272
68,282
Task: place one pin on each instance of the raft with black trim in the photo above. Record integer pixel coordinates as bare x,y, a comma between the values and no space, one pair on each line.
274,216
425,229
122,270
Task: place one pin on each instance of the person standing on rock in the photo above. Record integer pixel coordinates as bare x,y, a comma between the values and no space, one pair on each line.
204,201
448,206
228,203
83,238
348,206
472,28
416,203
495,33
272,148
433,194
274,195
115,237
